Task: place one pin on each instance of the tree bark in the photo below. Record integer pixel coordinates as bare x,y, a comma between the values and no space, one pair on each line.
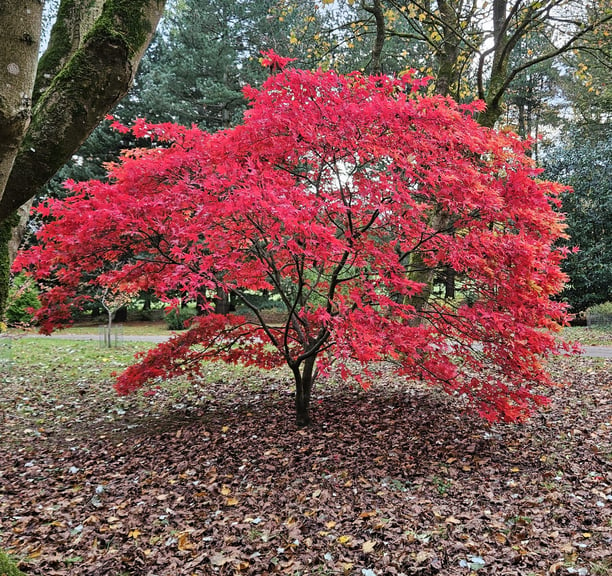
303,390
73,21
448,54
93,79
504,44
20,23
379,41
449,283
6,229
420,272
222,302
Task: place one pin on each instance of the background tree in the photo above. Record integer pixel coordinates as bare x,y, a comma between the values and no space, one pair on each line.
478,48
323,195
584,161
49,106
585,79
202,57
490,49
534,100
349,36
203,54
580,156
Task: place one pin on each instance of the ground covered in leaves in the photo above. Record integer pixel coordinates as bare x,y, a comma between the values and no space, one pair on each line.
217,479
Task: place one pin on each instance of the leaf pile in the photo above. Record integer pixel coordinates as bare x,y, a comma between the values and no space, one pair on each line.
392,481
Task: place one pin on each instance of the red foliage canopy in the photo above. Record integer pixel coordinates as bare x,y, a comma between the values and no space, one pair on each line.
338,193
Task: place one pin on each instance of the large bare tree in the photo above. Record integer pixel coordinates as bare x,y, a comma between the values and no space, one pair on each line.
49,106
471,48
477,48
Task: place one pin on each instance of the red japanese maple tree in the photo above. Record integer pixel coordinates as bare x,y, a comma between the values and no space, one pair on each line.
344,195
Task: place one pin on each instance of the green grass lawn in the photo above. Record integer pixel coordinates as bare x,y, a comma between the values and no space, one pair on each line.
128,328
600,336
596,336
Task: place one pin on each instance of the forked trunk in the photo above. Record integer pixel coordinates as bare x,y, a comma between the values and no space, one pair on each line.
303,390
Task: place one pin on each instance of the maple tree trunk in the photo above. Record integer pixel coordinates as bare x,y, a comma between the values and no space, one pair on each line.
303,389
108,329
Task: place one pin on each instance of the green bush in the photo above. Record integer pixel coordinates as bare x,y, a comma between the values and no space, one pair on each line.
23,296
601,314
8,567
176,318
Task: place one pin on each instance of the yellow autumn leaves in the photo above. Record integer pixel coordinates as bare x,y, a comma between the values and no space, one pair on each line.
230,500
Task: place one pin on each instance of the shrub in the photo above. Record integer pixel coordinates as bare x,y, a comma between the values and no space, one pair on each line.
177,317
601,314
23,297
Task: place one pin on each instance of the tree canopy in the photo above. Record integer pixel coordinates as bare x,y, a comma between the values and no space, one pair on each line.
334,193
471,49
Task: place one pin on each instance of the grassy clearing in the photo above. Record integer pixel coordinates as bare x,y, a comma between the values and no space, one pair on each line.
127,328
80,360
72,359
52,384
93,328
589,336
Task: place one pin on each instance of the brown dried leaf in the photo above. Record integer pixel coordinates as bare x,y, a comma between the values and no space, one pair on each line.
184,542
368,546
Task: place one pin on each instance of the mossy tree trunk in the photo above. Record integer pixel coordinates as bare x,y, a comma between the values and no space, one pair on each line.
90,74
89,65
20,23
503,45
